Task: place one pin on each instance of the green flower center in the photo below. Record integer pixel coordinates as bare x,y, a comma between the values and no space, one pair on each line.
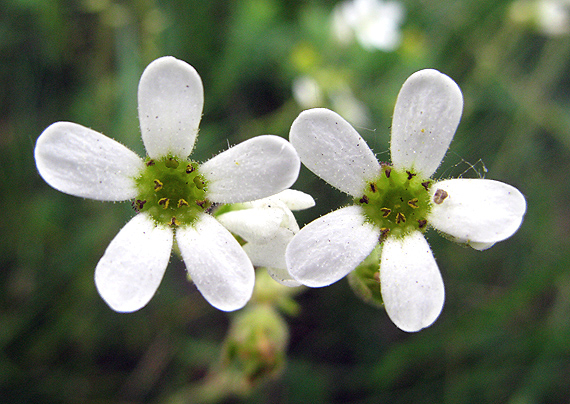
171,191
397,202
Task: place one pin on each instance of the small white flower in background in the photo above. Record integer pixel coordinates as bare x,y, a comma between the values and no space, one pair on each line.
309,94
395,204
554,17
374,23
550,17
171,193
268,225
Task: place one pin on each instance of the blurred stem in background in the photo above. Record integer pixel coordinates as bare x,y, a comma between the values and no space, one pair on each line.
254,349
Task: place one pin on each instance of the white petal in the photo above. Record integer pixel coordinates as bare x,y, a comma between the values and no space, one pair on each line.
480,246
254,169
283,277
271,255
328,248
412,287
293,199
332,149
427,112
81,162
171,98
477,211
253,224
216,263
132,267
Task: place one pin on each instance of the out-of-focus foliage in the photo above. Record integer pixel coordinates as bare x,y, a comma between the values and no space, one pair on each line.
504,334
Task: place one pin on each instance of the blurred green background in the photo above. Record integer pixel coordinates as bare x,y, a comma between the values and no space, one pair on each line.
504,333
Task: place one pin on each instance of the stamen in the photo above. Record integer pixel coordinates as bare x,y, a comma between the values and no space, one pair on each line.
388,171
182,202
373,187
164,202
386,212
400,218
413,203
422,223
201,204
426,185
439,196
410,175
150,163
157,185
364,199
174,221
383,234
139,204
189,169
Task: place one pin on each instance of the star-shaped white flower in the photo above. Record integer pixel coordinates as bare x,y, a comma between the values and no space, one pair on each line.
268,225
172,193
395,204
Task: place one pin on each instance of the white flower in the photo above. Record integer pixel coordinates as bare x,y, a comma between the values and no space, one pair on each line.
554,17
395,204
171,192
268,225
550,17
375,23
308,94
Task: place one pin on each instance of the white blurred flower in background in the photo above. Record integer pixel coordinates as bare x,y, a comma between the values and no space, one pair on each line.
549,17
374,23
308,93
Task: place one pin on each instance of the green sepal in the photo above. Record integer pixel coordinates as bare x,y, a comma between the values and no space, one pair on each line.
365,279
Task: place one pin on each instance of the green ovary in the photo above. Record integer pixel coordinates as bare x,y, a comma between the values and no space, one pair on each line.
171,191
397,202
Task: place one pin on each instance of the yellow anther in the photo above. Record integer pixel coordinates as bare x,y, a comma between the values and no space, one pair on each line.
400,218
383,234
182,202
413,203
157,185
386,212
189,168
174,221
164,202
